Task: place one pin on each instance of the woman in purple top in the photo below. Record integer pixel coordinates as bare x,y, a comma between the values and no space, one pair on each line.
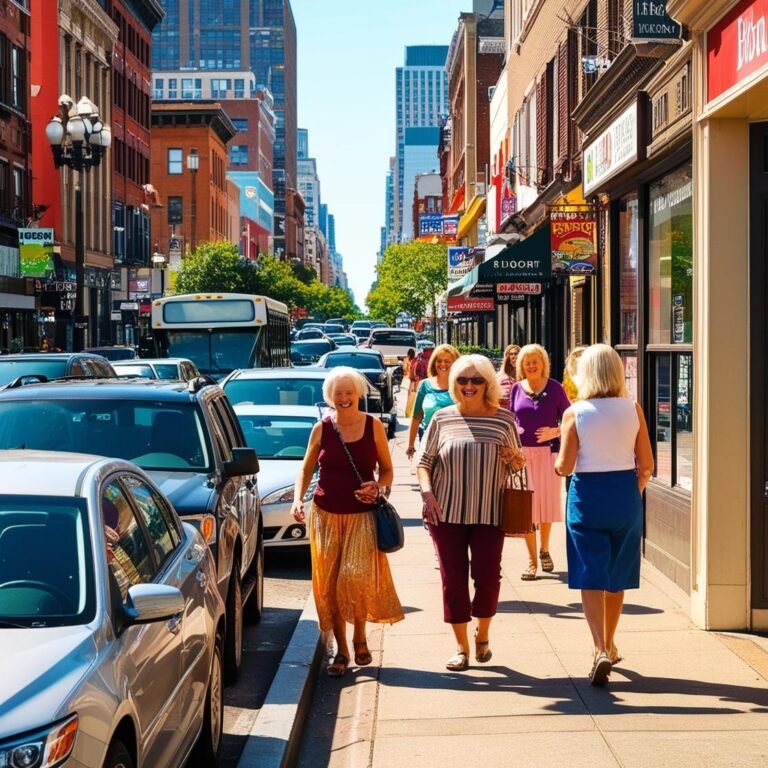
539,403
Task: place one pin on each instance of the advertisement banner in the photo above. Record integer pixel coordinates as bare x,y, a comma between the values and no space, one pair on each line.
530,289
450,226
461,260
36,252
615,148
430,224
464,304
574,242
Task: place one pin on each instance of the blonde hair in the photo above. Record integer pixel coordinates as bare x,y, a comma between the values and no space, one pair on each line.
532,349
443,349
484,368
569,373
600,373
338,374
506,366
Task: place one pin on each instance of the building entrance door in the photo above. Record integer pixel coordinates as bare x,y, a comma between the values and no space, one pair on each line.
758,247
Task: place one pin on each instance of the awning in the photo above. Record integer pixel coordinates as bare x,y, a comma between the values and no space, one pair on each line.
474,212
465,285
457,201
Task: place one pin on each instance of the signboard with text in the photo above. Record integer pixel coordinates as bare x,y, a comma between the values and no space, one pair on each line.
461,260
450,225
465,304
430,224
574,242
650,21
530,289
36,252
614,149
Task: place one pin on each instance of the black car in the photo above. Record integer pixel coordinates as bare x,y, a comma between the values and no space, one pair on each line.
114,353
371,364
186,436
42,366
309,352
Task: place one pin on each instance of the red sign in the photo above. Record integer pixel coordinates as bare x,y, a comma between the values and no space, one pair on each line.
463,304
531,289
737,46
574,238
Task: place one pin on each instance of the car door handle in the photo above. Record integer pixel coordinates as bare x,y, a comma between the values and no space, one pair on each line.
174,625
202,579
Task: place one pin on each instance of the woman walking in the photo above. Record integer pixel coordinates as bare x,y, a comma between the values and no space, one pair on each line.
350,577
539,403
507,374
461,473
606,445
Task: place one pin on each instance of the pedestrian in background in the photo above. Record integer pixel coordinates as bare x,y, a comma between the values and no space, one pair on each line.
351,579
538,403
462,471
605,444
433,392
507,374
569,373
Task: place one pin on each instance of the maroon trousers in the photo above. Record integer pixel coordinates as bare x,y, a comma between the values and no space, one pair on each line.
465,550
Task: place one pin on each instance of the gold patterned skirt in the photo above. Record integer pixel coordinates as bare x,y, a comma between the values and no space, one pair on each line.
350,577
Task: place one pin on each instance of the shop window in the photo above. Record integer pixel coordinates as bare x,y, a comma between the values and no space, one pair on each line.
628,250
670,267
629,359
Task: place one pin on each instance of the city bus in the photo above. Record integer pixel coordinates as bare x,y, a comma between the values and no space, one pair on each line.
221,332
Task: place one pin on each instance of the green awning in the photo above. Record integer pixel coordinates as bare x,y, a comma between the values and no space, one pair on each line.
524,261
465,285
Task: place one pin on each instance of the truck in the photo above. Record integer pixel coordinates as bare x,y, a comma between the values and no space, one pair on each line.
393,343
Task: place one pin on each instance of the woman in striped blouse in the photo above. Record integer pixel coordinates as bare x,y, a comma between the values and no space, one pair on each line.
461,473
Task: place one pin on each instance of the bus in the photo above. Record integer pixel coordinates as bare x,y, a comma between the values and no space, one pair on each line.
221,332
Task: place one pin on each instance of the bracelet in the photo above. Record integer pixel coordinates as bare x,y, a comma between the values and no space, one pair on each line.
425,492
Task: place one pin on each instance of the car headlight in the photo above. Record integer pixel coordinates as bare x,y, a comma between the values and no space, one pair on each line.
285,496
47,748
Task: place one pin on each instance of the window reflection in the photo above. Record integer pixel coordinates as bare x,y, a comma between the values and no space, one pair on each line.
662,419
684,422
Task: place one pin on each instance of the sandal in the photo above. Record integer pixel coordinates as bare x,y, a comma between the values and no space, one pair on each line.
546,562
362,655
529,574
338,667
458,662
601,669
614,655
483,653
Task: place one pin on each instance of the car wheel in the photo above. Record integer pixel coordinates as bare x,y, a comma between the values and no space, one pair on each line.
233,654
118,756
254,608
206,750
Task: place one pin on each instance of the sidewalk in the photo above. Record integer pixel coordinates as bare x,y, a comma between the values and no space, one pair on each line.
681,696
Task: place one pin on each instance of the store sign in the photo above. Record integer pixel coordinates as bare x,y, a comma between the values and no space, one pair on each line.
530,289
651,22
737,46
462,260
464,304
430,224
450,225
574,242
36,252
612,151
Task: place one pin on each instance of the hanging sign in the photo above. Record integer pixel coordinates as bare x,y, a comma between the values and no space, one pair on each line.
36,252
651,22
461,260
574,242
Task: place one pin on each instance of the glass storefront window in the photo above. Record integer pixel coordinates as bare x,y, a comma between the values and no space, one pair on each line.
630,373
684,421
662,418
670,265
628,250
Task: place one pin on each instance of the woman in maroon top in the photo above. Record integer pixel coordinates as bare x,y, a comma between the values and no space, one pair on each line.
350,577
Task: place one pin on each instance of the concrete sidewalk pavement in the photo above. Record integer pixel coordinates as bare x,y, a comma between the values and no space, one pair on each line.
681,696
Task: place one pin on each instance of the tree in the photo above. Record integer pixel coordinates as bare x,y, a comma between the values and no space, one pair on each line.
215,267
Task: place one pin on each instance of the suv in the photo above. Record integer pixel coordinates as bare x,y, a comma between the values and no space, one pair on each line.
187,438
393,343
40,366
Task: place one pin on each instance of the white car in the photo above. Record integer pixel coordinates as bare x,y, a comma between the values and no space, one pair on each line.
280,434
169,368
111,622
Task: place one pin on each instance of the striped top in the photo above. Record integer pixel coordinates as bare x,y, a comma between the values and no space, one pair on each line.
462,456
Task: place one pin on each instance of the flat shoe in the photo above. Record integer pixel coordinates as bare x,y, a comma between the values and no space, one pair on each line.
338,667
601,669
546,562
458,662
483,653
529,574
362,655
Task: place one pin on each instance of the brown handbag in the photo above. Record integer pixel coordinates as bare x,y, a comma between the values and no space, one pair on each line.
516,505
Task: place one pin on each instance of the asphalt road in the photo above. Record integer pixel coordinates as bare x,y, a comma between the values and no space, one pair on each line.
287,581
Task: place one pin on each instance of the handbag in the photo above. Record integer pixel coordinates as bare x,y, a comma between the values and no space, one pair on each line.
516,505
390,536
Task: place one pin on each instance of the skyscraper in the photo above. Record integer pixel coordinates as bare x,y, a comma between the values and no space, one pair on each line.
308,182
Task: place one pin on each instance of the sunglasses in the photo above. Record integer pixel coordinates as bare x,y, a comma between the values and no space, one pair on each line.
476,380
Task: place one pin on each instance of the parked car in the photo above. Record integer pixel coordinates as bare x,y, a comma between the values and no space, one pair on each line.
307,334
53,365
112,627
393,343
280,434
168,368
186,436
309,352
343,339
114,353
329,328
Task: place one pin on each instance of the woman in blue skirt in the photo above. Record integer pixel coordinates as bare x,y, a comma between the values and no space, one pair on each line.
605,445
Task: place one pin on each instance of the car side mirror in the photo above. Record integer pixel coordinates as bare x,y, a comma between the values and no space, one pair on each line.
244,461
148,603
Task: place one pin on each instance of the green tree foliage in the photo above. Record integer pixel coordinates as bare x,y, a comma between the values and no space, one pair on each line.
215,267
409,278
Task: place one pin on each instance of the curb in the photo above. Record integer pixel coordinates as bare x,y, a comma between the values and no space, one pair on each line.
274,738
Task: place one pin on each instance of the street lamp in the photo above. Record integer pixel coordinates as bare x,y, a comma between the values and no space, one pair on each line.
193,163
78,139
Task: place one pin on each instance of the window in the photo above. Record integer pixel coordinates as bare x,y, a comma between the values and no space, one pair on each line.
241,123
18,189
238,154
157,518
173,92
239,88
17,78
628,287
175,161
157,93
175,210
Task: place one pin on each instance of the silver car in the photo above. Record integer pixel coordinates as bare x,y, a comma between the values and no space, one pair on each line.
170,368
111,623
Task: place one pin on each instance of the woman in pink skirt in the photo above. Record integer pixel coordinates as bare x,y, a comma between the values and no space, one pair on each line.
539,403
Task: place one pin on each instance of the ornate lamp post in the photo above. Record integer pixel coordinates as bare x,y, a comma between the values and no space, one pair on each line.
193,163
78,139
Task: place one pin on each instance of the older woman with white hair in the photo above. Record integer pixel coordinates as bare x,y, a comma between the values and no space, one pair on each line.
462,470
605,445
351,579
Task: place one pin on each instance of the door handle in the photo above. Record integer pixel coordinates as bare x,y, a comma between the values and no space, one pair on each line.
174,625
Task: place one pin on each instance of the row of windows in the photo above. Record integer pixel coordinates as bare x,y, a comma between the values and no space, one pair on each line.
13,67
130,162
131,99
132,40
192,88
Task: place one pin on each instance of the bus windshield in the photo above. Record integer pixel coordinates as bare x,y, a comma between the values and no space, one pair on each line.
214,352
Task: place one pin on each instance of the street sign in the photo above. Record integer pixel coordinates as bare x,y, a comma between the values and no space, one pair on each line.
116,314
129,306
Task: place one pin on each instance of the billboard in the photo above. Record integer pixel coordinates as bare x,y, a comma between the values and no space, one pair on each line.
461,260
36,252
574,242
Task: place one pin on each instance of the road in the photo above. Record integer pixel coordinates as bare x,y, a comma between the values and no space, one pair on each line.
287,582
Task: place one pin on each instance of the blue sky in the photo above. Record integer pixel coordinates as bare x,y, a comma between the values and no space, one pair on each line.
347,55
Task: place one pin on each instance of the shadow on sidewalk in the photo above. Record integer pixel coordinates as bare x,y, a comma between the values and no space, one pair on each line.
570,611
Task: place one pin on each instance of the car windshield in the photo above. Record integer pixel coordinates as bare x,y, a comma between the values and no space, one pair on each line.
113,353
399,338
143,371
46,563
277,391
12,369
214,352
277,437
154,435
310,348
360,361
167,371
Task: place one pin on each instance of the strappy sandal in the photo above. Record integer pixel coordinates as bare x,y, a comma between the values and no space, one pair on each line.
362,655
601,669
529,574
338,667
458,662
483,653
546,562
614,655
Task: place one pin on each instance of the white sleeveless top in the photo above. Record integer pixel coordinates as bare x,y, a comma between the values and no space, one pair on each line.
607,428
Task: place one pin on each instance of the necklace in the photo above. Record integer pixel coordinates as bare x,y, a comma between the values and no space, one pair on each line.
535,396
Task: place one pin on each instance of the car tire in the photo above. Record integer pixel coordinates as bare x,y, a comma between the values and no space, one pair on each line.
205,753
118,756
254,608
233,647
